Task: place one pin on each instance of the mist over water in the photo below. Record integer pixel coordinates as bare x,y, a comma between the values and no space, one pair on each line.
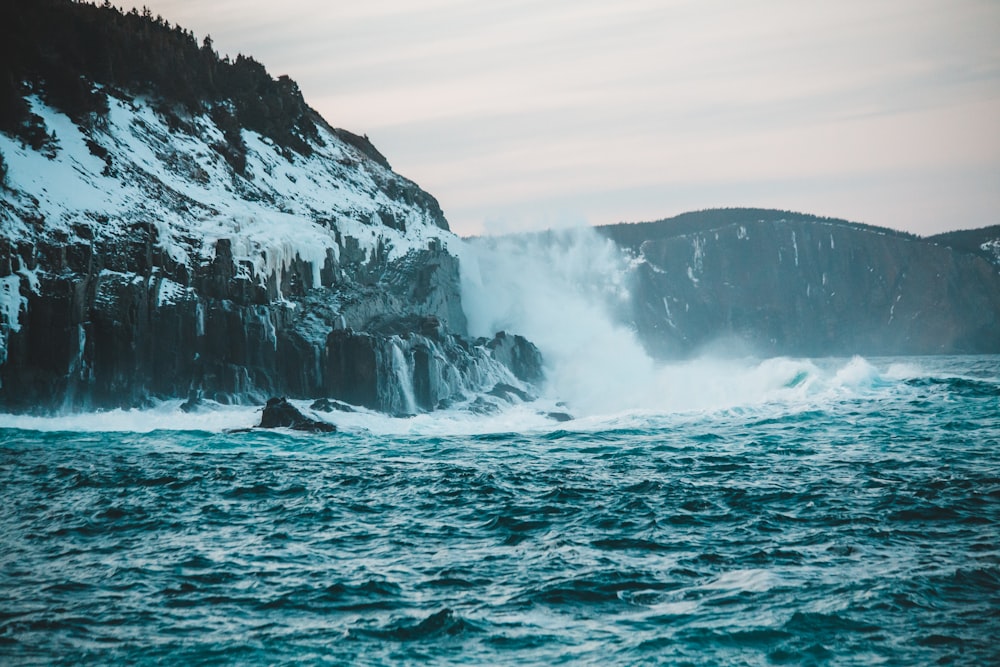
568,291
560,290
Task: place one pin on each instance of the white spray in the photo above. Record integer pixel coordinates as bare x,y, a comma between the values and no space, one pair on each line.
404,378
558,289
568,293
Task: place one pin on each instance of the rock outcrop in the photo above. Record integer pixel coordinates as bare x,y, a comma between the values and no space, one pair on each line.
279,413
88,337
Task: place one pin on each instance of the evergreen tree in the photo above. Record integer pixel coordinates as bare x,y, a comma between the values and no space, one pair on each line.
72,53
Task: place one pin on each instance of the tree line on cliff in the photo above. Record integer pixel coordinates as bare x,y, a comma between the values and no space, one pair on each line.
73,54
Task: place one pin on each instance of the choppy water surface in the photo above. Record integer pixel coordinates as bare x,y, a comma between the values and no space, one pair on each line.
851,518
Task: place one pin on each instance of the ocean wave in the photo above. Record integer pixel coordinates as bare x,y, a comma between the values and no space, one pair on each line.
767,392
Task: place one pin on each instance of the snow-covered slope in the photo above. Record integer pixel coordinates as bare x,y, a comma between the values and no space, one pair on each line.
133,167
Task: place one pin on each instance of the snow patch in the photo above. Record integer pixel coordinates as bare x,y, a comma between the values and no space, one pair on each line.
698,245
11,301
993,249
171,292
670,318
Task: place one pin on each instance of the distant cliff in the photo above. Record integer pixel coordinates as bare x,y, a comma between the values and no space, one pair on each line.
169,232
792,284
984,242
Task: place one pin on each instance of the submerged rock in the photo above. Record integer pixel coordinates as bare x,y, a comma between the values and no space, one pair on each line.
194,403
559,416
279,413
328,405
505,391
483,405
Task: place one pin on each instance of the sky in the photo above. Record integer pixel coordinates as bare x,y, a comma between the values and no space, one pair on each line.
530,114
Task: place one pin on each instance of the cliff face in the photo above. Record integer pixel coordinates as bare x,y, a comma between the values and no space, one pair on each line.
137,262
984,242
808,287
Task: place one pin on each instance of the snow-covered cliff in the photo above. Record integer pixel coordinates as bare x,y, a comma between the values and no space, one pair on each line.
138,261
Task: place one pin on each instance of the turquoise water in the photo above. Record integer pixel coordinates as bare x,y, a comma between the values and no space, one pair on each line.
849,514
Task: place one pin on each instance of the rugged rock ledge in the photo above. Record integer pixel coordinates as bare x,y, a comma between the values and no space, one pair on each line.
103,326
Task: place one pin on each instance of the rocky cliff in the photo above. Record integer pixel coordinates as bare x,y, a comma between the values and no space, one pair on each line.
984,242
152,249
793,284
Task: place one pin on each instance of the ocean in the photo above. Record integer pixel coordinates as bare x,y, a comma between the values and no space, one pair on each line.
828,512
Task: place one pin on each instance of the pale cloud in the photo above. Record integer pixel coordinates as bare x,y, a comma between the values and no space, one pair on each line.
544,112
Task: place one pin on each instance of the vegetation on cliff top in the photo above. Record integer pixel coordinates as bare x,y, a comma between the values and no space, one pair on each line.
633,234
74,53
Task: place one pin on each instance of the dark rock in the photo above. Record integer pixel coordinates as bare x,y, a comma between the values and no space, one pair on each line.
482,406
445,403
279,413
425,325
194,403
505,391
351,370
519,355
327,405
559,416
